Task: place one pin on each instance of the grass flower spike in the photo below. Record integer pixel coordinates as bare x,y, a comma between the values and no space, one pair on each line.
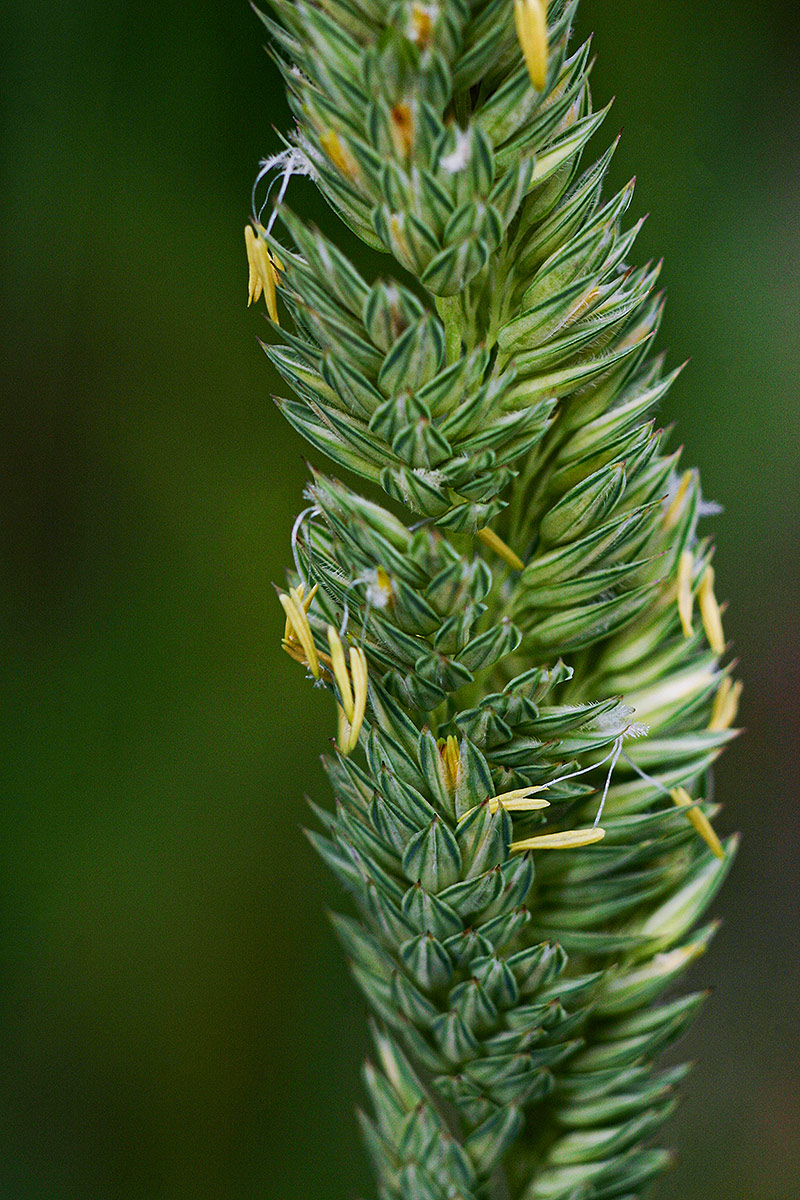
503,578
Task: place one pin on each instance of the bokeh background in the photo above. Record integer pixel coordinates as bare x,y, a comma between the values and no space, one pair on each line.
175,1018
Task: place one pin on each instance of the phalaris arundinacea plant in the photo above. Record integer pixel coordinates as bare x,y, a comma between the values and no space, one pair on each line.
509,596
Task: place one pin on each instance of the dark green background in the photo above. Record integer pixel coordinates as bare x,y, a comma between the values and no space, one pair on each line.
175,1018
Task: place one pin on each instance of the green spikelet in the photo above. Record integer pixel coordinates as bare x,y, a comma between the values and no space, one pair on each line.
515,612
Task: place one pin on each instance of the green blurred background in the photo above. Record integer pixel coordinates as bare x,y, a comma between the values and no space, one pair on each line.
175,1018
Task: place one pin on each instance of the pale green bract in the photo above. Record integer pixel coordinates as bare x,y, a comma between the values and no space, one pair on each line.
523,571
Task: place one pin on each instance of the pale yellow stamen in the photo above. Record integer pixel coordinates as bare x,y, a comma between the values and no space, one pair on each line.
339,668
709,611
338,153
530,17
700,821
726,705
520,800
298,642
567,839
263,272
451,757
300,629
342,728
685,595
490,539
674,510
298,594
380,591
358,670
402,129
421,26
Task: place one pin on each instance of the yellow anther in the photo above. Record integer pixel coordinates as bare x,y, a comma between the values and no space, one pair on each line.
298,642
726,705
421,25
339,668
685,594
300,631
451,757
530,17
520,800
305,604
263,272
342,728
709,611
676,504
298,594
402,129
567,839
358,670
700,821
490,539
338,153
288,628
379,589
